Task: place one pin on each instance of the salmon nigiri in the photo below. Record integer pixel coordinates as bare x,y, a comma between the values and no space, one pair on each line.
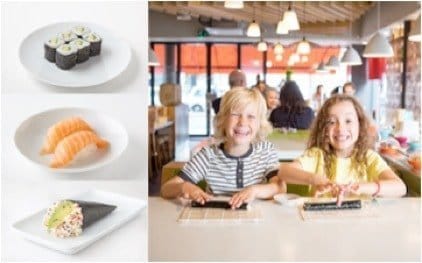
71,145
62,129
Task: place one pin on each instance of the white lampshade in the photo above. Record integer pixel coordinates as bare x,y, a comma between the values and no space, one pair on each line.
290,19
253,30
304,59
378,47
415,31
262,46
278,49
303,48
321,67
351,57
332,63
152,58
278,57
282,28
233,4
290,62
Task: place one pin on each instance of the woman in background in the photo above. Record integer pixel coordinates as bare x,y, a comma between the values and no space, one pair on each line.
293,111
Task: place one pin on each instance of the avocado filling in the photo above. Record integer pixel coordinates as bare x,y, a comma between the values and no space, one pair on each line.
64,219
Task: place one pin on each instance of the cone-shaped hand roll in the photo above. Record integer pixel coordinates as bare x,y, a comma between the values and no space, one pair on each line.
67,218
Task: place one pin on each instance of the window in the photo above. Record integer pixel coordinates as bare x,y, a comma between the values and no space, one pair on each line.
252,60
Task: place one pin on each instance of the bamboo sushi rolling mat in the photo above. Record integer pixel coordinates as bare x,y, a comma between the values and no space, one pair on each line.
369,210
217,215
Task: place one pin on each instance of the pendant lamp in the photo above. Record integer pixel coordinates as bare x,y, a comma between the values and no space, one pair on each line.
351,57
262,45
278,49
415,31
278,57
332,63
321,67
303,48
253,30
290,19
282,28
378,46
233,4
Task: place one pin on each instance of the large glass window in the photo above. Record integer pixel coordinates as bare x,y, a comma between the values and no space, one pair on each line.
251,60
193,81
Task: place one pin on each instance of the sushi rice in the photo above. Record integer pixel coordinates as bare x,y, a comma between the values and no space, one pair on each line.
71,225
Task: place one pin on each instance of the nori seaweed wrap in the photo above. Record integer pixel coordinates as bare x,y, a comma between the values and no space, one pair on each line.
95,41
83,47
50,47
68,36
66,56
80,31
68,218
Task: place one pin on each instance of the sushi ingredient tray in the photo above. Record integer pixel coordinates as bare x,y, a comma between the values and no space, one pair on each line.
114,59
31,133
127,208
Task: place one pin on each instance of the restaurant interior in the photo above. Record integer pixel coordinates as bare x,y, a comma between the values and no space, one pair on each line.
194,45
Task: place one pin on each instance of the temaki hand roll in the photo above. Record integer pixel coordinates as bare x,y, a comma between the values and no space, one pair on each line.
79,31
66,56
83,50
68,36
68,218
95,41
50,48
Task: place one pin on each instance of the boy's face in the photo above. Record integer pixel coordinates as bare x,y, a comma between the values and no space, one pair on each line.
349,90
242,125
343,128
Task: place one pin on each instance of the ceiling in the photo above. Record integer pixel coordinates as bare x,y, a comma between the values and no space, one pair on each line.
328,17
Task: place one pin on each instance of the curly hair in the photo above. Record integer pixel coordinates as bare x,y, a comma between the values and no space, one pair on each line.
291,99
238,99
319,135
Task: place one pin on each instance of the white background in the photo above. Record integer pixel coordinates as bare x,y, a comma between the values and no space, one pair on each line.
26,188
126,20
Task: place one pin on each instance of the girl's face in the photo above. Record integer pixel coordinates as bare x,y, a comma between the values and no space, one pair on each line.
343,128
242,125
272,100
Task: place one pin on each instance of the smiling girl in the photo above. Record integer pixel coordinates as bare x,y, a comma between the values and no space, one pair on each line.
241,164
339,158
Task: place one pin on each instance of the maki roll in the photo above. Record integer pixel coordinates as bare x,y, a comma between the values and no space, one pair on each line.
68,36
68,218
95,41
50,48
66,56
83,47
80,31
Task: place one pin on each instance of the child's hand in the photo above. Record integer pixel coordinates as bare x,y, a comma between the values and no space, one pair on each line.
193,192
342,190
245,196
322,189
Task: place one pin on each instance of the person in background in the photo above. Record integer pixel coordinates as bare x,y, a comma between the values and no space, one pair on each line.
271,97
293,111
241,164
236,79
338,159
349,88
318,98
261,86
335,91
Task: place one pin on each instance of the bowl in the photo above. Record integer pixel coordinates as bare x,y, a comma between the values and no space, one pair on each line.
402,140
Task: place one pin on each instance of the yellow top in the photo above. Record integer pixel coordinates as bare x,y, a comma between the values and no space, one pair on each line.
312,161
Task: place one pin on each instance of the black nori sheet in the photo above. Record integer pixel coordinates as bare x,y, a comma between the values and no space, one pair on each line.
83,54
217,204
95,48
49,53
65,62
93,211
349,204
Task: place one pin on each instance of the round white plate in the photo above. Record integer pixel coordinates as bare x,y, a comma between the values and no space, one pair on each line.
31,134
288,199
113,59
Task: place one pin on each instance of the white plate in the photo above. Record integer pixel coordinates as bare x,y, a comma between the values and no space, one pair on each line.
30,135
32,229
288,199
113,59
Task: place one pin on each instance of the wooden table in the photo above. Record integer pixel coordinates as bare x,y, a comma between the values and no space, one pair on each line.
395,235
289,145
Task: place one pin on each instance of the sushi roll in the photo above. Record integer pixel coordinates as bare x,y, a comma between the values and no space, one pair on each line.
68,218
95,41
83,50
68,36
50,47
80,31
66,56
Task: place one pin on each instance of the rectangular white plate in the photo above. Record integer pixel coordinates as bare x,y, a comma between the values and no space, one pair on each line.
32,229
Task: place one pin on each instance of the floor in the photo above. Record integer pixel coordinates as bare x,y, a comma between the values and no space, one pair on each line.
155,183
